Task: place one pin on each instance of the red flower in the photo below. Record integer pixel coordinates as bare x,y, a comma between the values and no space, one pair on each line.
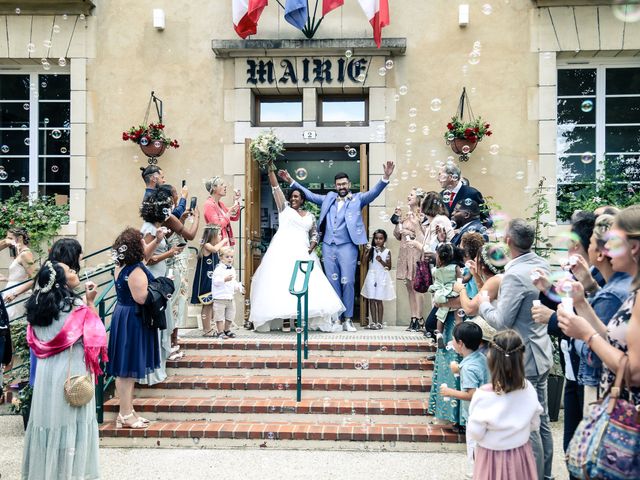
125,136
486,125
468,132
488,133
450,126
476,130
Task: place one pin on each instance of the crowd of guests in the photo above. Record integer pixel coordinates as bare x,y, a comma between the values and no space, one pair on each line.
496,309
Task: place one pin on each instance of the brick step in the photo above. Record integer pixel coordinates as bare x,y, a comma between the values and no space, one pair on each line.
275,347
264,386
257,409
168,433
313,367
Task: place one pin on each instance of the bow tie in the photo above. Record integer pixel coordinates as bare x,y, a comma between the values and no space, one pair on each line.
228,267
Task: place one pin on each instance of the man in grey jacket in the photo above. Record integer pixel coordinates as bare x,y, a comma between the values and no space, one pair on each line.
513,310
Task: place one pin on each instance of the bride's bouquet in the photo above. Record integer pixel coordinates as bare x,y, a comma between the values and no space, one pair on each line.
265,148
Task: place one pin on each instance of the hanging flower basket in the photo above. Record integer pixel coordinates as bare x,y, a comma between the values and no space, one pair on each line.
153,148
151,138
463,136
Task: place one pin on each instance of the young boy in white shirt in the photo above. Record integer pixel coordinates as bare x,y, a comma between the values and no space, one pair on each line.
224,287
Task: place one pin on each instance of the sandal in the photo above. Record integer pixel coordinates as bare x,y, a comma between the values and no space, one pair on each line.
175,356
121,422
142,419
221,335
229,334
412,325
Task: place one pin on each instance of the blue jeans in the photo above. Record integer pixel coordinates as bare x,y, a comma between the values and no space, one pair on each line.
542,441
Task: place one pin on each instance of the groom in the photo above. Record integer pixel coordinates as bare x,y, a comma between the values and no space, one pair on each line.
342,230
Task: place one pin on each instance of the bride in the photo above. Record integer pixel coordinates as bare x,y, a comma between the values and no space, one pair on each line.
295,239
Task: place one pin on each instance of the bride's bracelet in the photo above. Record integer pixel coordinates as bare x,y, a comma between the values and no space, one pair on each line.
277,187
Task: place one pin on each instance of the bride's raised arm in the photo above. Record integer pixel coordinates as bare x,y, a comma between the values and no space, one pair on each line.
278,196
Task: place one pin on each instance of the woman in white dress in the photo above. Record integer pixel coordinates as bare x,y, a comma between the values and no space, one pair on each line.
295,240
22,268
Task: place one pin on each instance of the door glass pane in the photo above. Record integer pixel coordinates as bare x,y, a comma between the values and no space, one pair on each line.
623,110
577,110
280,111
576,168
14,87
343,111
55,87
54,170
55,114
54,142
14,170
622,81
14,142
8,191
579,81
622,139
623,167
59,192
14,115
576,139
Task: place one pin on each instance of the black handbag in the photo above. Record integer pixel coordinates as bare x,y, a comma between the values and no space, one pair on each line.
159,292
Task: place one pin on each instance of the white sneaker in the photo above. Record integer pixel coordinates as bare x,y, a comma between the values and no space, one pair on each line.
347,325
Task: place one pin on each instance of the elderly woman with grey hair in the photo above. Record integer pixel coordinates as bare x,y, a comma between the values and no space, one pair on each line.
216,212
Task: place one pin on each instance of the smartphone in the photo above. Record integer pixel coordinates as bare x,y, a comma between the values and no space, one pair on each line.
194,201
184,182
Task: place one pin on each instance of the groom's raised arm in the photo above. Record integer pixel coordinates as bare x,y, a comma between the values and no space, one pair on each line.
312,197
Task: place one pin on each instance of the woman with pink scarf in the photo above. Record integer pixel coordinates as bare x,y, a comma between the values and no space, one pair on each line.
69,339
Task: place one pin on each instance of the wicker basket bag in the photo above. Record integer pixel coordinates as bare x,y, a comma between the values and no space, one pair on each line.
78,389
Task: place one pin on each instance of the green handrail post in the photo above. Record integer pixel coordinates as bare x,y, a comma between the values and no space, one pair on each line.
306,267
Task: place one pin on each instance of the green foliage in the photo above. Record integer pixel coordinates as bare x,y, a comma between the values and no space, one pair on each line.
23,404
611,188
539,208
472,131
41,217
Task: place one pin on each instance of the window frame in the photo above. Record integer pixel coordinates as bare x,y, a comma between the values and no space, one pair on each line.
34,183
346,98
259,99
601,96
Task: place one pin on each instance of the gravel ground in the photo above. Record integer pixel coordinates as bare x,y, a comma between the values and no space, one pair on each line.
262,464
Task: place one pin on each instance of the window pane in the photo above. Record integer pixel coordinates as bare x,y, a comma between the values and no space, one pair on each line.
577,110
623,110
14,142
14,87
8,191
579,81
623,167
575,139
343,111
622,139
53,190
55,114
623,80
55,87
14,170
280,111
54,170
54,142
572,169
13,115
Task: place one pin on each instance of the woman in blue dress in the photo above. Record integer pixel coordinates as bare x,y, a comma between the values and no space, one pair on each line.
133,347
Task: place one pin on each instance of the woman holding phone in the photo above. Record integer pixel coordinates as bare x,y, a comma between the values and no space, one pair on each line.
217,213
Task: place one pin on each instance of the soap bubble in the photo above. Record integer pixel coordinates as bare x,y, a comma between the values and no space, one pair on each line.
519,175
616,243
425,130
46,66
396,97
404,175
451,137
63,150
461,313
46,44
25,106
436,104
81,16
334,277
414,173
627,10
301,173
466,149
55,168
62,61
344,280
352,152
412,127
498,255
382,71
56,29
271,436
487,9
4,148
494,149
31,47
144,141
348,53
408,141
586,106
362,77
474,58
27,141
403,90
483,171
388,64
56,134
413,112
3,174
18,11
586,158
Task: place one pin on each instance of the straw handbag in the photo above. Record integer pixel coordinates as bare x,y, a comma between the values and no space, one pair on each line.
78,389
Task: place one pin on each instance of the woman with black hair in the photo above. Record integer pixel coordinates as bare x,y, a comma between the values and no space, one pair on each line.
133,347
69,340
295,239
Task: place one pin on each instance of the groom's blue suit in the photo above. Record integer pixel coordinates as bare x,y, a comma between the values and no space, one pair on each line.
342,230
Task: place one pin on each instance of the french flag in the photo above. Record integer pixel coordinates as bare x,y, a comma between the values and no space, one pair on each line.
246,14
377,11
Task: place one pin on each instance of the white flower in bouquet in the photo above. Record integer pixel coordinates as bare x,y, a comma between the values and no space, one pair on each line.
265,148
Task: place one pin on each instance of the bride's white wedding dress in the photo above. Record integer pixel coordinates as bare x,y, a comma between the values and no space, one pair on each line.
271,301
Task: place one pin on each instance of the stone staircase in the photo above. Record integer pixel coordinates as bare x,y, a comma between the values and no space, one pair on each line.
360,389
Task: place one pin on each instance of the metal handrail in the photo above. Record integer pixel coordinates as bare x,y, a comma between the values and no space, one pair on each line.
306,267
